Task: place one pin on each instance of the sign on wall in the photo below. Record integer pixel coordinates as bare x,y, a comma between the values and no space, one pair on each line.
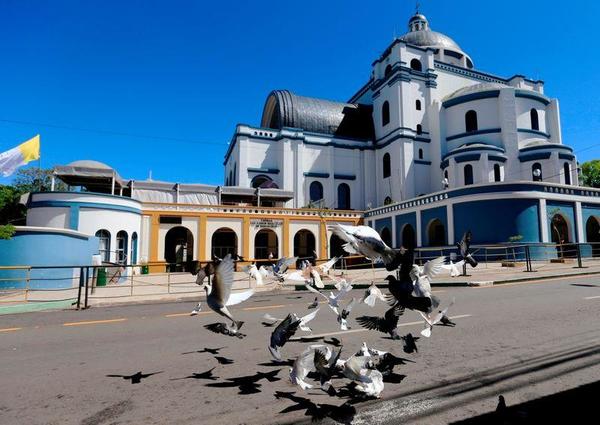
266,223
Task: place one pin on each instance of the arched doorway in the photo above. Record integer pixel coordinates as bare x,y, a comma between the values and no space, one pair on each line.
559,229
265,243
304,244
436,233
386,236
409,238
122,241
179,249
592,235
224,241
336,246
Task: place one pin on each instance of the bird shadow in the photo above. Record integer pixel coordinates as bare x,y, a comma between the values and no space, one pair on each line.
249,384
343,414
309,339
585,285
136,378
275,363
393,378
223,360
208,375
333,341
214,351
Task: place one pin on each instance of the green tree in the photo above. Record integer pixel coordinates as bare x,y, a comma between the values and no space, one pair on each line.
35,179
590,173
10,209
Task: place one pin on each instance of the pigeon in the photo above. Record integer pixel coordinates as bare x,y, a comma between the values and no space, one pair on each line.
271,321
445,321
343,316
421,277
386,324
136,378
464,249
202,272
307,274
324,268
220,295
326,369
223,328
223,360
281,334
333,300
432,320
196,310
363,240
401,295
314,304
454,268
304,364
360,369
258,274
282,266
410,345
372,294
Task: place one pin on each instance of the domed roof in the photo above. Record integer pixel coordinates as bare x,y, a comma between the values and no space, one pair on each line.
475,88
88,163
420,35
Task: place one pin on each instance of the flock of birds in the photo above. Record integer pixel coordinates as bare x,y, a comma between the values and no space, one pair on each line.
409,289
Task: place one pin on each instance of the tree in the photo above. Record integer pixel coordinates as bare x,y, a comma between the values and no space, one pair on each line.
590,173
10,209
36,180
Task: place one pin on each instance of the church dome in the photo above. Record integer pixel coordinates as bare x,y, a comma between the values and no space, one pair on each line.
88,163
475,88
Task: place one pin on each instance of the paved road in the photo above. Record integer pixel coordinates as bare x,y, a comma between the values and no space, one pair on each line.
521,340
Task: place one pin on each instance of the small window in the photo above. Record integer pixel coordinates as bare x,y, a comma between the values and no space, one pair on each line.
536,172
468,174
122,247
567,170
471,121
446,173
387,200
418,104
535,122
385,113
387,165
388,71
420,153
316,191
497,176
343,197
416,65
104,246
419,129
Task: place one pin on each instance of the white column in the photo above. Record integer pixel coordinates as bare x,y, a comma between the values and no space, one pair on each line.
543,218
112,190
53,182
418,223
450,219
579,222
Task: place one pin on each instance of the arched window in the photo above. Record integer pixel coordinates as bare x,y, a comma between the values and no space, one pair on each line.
436,233
388,71
104,246
387,200
316,191
468,170
304,245
497,176
446,173
224,241
122,247
386,236
536,172
471,121
416,65
419,129
385,113
134,248
387,166
420,153
418,104
179,249
343,197
535,122
567,169
265,244
263,181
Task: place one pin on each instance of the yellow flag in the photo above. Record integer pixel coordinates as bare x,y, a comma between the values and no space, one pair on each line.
30,149
20,155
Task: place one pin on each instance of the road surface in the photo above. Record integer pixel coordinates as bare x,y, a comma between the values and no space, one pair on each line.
524,341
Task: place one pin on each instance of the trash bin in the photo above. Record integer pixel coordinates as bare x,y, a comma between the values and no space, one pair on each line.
145,269
101,277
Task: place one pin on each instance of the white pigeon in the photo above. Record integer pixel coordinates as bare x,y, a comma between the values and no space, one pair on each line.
342,283
360,369
325,267
258,274
219,296
333,301
372,294
363,240
196,310
421,278
454,268
433,319
304,364
374,386
305,319
307,274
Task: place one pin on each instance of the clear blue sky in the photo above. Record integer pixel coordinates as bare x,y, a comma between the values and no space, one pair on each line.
191,70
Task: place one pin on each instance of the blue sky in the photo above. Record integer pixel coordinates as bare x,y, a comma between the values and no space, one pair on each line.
188,71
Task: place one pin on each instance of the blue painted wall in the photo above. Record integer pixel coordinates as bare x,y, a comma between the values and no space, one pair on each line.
45,249
567,209
401,220
383,222
494,221
427,216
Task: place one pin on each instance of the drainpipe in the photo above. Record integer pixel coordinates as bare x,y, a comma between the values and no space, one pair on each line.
258,195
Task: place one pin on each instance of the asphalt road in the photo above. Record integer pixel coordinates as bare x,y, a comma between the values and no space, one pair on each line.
524,341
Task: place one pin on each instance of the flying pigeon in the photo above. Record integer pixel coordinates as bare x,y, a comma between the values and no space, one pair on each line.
307,274
136,378
326,367
454,268
258,274
333,301
281,334
302,366
343,315
421,277
324,268
464,249
372,294
401,294
386,324
360,369
432,320
410,343
220,295
314,304
445,321
363,240
282,266
270,321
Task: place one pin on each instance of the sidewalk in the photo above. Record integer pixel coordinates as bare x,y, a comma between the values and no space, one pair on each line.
163,287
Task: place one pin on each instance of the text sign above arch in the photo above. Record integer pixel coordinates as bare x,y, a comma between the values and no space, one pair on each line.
266,223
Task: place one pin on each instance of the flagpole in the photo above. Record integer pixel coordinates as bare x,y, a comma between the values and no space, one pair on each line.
40,169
